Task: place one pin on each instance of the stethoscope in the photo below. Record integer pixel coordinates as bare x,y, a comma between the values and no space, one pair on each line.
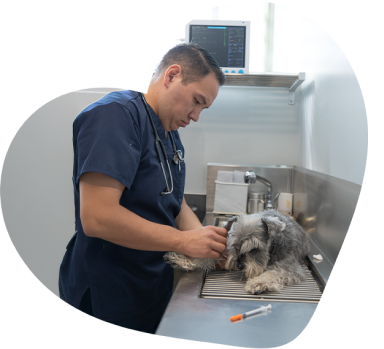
177,159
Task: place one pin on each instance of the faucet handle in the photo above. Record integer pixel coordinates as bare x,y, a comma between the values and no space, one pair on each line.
273,202
249,177
270,204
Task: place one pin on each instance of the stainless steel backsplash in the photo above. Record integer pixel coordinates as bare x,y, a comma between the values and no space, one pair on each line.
329,206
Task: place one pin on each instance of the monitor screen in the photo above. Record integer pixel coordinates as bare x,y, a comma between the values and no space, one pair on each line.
225,43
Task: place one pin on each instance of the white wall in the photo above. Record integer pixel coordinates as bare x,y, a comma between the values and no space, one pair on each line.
333,128
36,185
245,125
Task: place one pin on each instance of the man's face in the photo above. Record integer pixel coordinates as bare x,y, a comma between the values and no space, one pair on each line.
180,104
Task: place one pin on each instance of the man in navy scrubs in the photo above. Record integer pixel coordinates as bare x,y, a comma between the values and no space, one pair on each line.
127,215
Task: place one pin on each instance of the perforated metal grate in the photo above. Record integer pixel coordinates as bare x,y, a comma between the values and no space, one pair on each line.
230,284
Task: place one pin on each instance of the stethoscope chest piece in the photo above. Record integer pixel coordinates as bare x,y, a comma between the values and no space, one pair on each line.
178,158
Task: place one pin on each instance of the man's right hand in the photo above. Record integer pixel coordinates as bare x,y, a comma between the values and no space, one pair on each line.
204,242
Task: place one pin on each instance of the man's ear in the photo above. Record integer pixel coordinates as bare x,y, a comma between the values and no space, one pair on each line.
173,72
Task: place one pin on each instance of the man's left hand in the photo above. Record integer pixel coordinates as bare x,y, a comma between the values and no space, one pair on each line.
220,265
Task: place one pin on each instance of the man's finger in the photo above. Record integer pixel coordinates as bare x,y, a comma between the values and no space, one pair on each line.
221,231
218,247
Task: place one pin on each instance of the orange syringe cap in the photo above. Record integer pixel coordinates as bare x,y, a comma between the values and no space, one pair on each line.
236,317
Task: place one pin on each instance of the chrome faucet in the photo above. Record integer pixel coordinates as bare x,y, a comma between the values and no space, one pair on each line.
251,177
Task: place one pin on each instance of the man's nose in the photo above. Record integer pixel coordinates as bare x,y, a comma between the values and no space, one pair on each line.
195,115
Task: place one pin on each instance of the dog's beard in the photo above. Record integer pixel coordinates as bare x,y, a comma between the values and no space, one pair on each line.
254,262
251,266
231,263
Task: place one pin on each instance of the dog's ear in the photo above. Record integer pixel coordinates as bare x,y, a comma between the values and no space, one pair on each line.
230,221
274,225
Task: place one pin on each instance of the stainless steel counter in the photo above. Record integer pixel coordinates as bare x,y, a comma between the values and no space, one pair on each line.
208,319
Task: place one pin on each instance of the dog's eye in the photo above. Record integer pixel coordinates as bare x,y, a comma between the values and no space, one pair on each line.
254,251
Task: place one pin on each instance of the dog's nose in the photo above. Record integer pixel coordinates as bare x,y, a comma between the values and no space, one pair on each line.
240,266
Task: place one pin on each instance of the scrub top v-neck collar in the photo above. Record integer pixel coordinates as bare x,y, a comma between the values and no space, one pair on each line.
160,130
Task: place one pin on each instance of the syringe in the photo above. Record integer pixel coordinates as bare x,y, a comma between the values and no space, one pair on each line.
249,313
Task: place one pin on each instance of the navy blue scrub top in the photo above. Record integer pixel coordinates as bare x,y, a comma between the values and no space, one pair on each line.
114,136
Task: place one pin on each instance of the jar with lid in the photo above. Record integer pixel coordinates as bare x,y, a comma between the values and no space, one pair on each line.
256,202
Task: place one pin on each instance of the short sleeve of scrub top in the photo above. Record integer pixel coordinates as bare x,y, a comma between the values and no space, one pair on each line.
108,142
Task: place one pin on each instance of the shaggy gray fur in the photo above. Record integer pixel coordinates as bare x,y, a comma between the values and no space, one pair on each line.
268,246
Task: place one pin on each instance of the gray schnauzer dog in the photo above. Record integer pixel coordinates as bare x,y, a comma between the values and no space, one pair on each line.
267,246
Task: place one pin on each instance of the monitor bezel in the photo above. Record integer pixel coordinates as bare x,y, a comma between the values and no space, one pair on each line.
246,24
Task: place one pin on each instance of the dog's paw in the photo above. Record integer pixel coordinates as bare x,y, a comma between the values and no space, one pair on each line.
171,258
179,261
257,286
253,287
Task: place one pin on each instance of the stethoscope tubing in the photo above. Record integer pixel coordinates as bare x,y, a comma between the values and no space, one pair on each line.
158,142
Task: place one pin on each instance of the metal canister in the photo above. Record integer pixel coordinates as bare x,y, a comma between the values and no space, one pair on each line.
256,202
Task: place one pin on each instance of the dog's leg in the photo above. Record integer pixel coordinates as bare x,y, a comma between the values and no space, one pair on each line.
179,261
275,277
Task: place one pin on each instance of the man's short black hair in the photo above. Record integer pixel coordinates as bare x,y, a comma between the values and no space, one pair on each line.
195,63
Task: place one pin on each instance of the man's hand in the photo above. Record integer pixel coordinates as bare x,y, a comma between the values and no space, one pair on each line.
204,242
220,264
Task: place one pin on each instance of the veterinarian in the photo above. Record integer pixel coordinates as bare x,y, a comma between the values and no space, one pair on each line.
129,206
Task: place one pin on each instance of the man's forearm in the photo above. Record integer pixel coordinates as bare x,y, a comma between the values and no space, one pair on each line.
103,217
125,228
187,220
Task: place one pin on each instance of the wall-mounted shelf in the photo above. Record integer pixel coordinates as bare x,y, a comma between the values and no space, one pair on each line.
288,81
